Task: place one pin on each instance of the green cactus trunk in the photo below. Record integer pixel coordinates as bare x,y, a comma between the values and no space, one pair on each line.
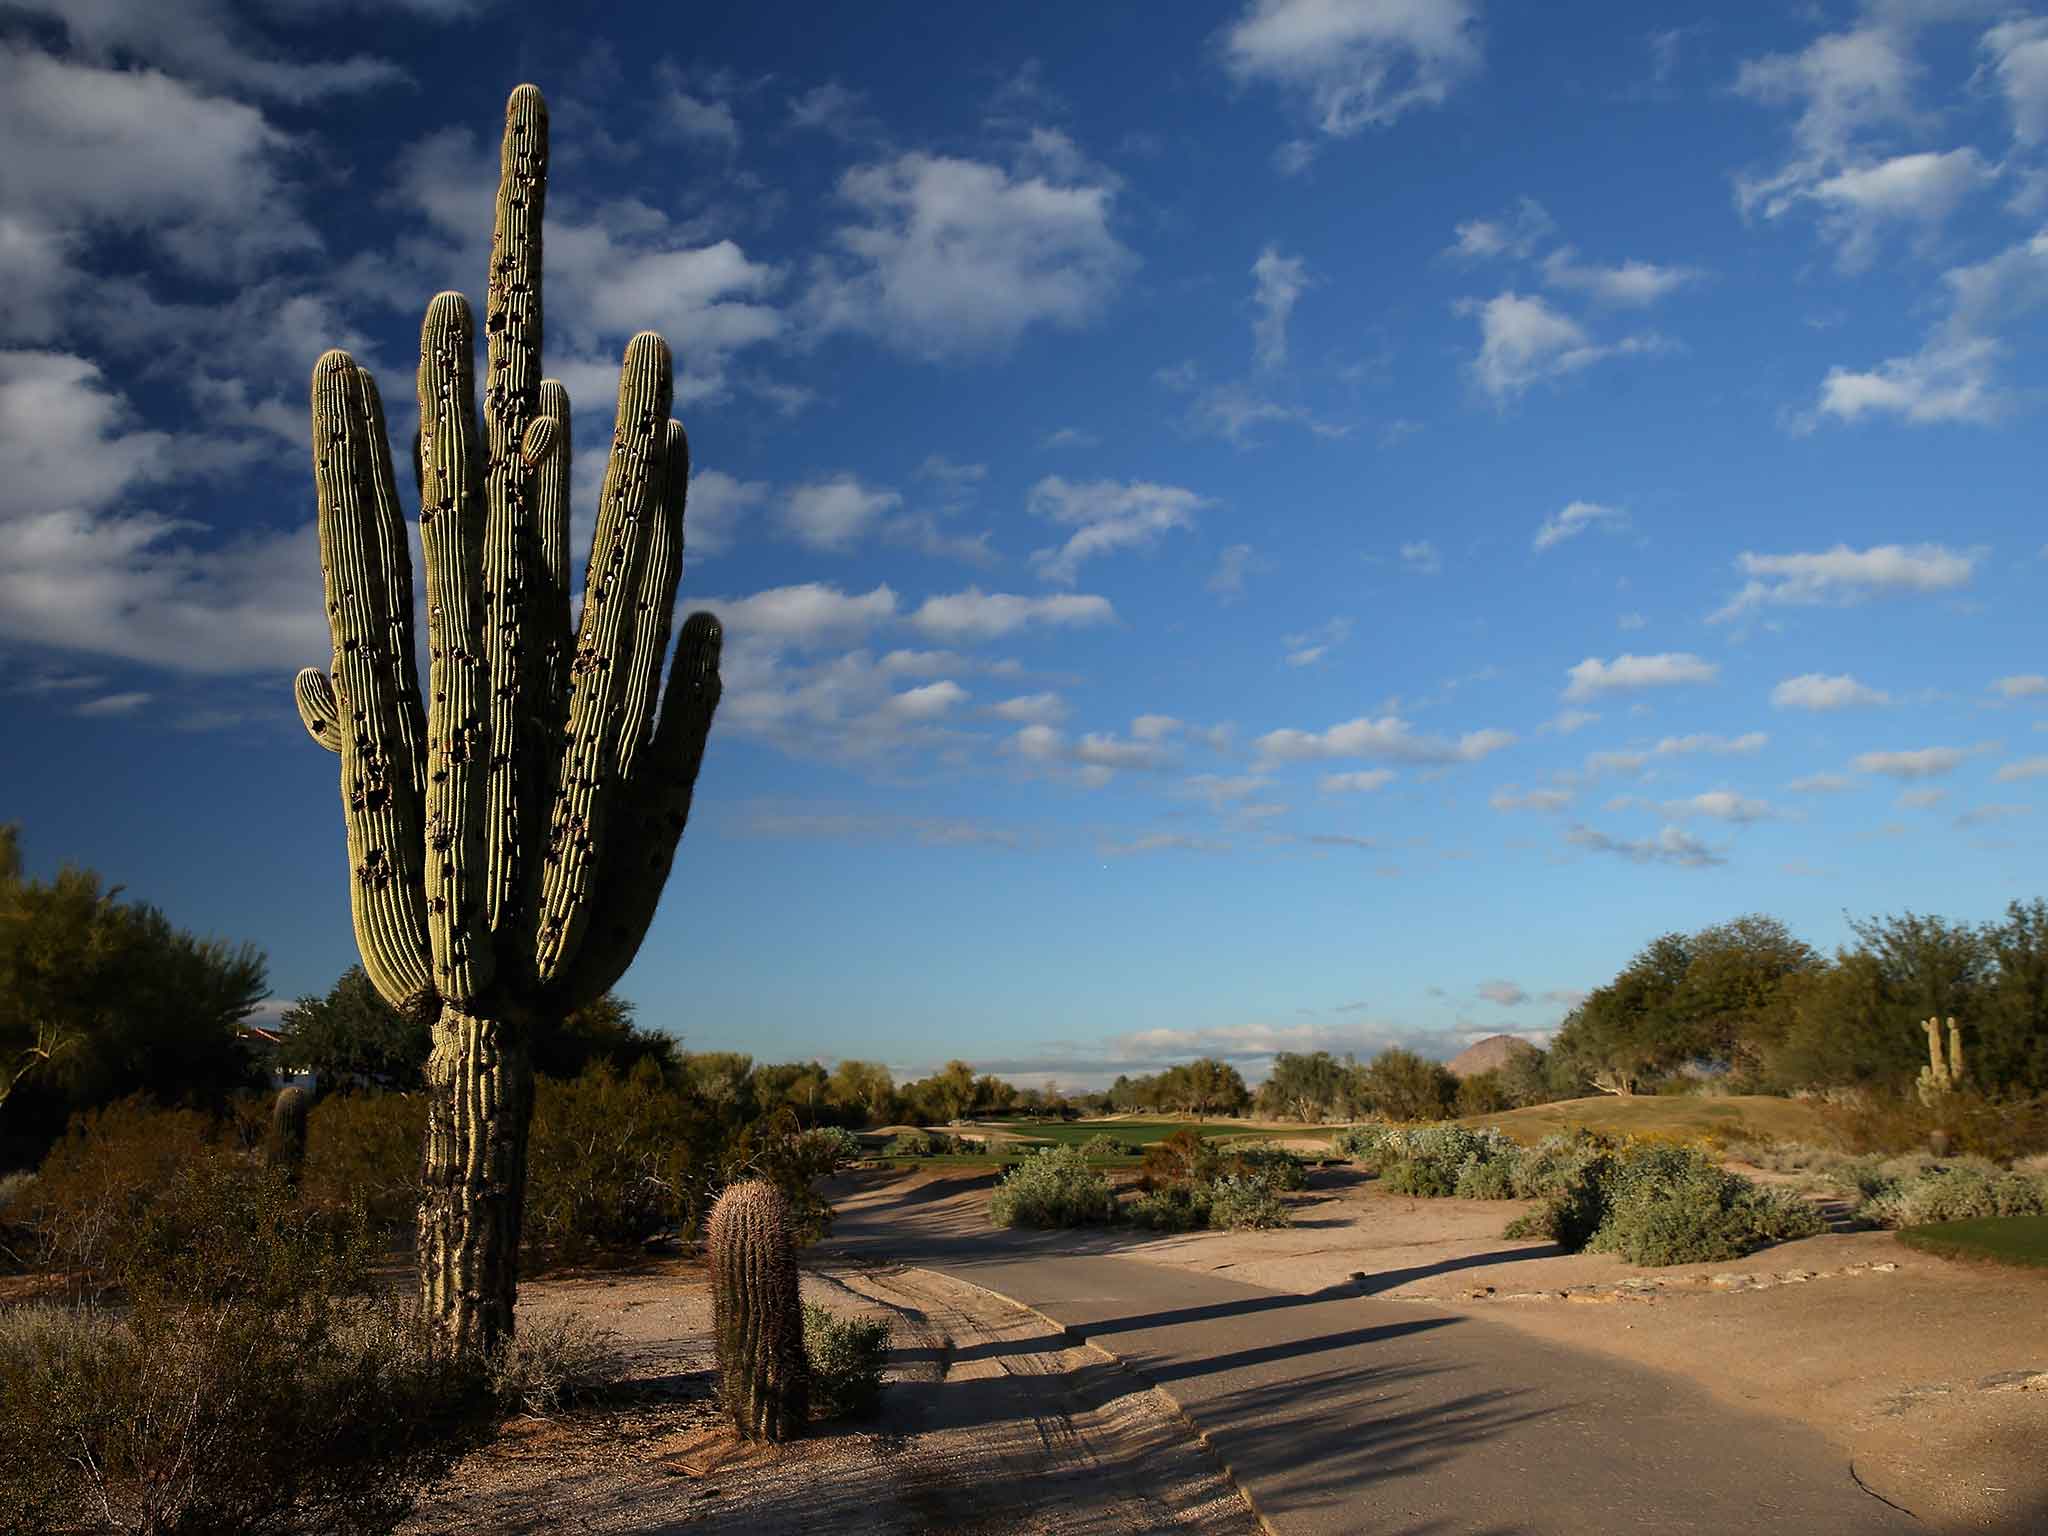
510,836
763,1377
286,1150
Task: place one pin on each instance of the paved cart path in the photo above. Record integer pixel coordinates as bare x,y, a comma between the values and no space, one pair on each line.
1341,1413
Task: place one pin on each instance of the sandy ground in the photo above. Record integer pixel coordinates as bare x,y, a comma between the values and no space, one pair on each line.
989,1423
1932,1376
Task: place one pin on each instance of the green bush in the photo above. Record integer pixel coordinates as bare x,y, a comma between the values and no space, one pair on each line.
1054,1187
1108,1146
1558,1162
1437,1161
1276,1165
367,1145
1955,1192
833,1144
1659,1203
1249,1201
847,1357
97,1180
920,1144
1422,1177
1481,1178
1176,1208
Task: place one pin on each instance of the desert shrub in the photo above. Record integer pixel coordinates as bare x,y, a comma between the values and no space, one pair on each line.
1658,1203
793,1160
1278,1166
613,1160
1557,1162
367,1145
833,1144
1422,1177
17,1231
1248,1201
847,1357
1431,1160
1052,1188
1481,1178
1955,1193
1108,1146
552,1362
1175,1208
1361,1143
109,1165
1185,1157
1483,1093
1868,1120
254,1382
919,1144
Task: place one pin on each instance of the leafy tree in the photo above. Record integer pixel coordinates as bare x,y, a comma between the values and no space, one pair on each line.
1635,1026
1483,1093
1306,1086
865,1087
1727,1007
798,1086
2008,1050
723,1080
100,1000
1524,1078
1405,1086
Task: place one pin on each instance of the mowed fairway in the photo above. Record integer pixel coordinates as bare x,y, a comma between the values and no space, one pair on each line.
1683,1115
2020,1240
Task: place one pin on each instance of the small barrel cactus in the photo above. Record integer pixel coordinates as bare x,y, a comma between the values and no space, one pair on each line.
287,1147
763,1378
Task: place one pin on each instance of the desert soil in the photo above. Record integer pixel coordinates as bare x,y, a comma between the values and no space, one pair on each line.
1931,1376
990,1423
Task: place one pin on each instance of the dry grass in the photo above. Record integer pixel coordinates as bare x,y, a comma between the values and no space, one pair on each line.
1687,1116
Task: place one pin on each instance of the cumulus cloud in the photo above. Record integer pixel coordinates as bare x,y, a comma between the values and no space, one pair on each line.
1671,845
1632,284
954,257
978,615
1821,783
1818,691
1357,63
1356,783
2026,685
1510,797
1843,575
2018,61
1110,514
1515,235
1388,737
1421,557
1923,763
1093,760
1032,709
1280,282
1524,341
1716,804
1635,760
1629,673
1575,519
2023,768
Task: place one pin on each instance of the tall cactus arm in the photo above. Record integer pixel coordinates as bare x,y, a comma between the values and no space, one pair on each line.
547,449
394,566
655,818
513,639
458,719
657,770
358,517
603,659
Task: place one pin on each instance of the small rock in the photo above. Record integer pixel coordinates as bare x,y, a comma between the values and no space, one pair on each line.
2014,1381
1596,1296
1731,1282
1796,1276
1477,1293
1883,1269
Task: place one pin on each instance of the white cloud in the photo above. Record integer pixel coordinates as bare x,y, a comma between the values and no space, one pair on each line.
1153,727
978,615
1634,284
1506,993
1032,709
2025,685
1844,575
1936,384
1094,760
831,514
1635,761
2023,768
1509,798
1388,737
1717,804
1523,341
1992,812
1221,790
2019,62
1575,519
1821,783
1919,799
1356,783
694,117
1280,281
1565,721
1227,580
1924,763
807,614
956,257
927,702
1671,845
112,704
1516,235
1358,62
1814,690
717,501
1111,514
1626,672
1422,558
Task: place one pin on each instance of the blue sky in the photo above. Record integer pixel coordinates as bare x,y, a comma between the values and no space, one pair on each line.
1251,526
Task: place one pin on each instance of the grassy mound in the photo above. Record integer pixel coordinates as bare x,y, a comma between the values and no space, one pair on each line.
1682,1117
2021,1240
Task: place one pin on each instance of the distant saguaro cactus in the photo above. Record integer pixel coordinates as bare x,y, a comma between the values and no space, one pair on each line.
287,1148
1938,1077
509,840
763,1378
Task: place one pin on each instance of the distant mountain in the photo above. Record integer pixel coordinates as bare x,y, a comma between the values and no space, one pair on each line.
1485,1055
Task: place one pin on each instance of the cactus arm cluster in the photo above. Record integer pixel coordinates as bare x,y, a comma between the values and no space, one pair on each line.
1938,1077
287,1148
763,1376
601,672
375,708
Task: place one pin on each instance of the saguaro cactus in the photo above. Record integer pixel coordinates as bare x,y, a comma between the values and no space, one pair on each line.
287,1147
1938,1077
763,1378
509,840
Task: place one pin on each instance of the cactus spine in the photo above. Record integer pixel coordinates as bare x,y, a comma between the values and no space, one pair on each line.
763,1377
1939,1077
287,1148
508,838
